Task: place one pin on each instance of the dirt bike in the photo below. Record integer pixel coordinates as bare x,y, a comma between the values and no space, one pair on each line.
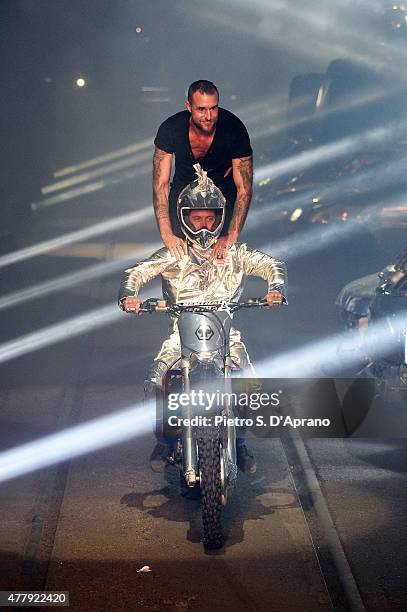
206,455
383,345
389,366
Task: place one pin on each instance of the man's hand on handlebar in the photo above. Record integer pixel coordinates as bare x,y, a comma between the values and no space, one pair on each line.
273,299
135,305
131,304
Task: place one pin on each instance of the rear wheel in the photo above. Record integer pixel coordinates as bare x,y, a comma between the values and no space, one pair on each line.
209,448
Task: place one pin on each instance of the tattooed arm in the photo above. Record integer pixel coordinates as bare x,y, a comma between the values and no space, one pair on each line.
161,182
243,177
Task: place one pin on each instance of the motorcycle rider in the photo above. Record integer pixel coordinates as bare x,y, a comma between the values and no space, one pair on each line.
200,277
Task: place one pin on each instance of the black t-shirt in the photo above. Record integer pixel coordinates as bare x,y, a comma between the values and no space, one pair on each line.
230,141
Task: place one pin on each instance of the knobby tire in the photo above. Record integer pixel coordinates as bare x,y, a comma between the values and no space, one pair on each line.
209,463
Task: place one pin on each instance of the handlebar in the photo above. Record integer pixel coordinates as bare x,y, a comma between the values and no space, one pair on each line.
159,305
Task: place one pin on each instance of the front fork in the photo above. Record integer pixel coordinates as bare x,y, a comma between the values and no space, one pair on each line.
230,459
189,454
189,451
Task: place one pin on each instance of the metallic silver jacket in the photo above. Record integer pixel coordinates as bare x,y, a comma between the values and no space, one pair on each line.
199,278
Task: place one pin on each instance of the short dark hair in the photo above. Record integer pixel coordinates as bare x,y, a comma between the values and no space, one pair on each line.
204,87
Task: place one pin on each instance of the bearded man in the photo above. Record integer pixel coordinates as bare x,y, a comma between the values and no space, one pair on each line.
217,140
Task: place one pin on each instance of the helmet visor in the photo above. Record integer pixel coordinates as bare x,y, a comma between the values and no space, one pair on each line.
209,219
202,226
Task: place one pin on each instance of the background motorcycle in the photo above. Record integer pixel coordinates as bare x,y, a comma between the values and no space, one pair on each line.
389,366
380,316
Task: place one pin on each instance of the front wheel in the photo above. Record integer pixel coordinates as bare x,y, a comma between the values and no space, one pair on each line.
209,450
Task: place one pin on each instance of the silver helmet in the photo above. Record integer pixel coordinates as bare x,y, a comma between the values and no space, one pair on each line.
201,194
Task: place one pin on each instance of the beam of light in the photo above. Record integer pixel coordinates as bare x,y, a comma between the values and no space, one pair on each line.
378,176
111,168
260,216
126,424
274,109
276,106
270,108
58,332
362,183
261,27
332,36
101,159
61,283
314,239
65,330
265,106
280,122
334,150
103,227
75,441
68,195
342,350
72,194
320,237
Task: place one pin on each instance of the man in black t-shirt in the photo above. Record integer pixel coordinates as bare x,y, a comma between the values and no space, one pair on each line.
219,141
